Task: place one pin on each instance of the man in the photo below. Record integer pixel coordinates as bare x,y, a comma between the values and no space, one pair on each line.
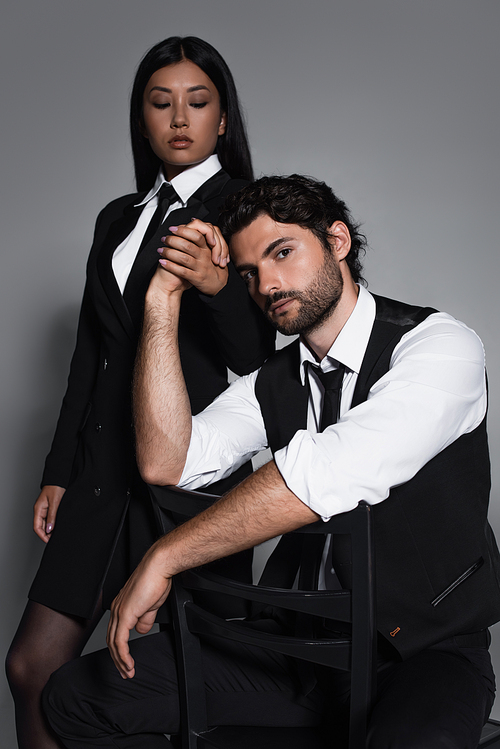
410,440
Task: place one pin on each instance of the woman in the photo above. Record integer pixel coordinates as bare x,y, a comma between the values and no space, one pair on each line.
93,510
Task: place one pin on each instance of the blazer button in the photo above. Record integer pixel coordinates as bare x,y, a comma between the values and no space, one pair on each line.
98,427
105,364
97,491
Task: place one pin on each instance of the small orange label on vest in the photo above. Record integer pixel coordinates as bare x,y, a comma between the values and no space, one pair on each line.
395,631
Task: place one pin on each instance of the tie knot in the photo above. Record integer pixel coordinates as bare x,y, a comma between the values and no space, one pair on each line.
331,380
167,195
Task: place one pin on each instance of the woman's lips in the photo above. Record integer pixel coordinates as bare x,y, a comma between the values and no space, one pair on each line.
180,142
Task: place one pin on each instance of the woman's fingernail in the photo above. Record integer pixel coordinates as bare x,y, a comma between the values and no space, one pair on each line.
49,527
162,239
172,228
160,250
163,262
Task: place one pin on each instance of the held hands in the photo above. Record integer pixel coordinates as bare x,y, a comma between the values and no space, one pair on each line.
45,510
135,606
195,255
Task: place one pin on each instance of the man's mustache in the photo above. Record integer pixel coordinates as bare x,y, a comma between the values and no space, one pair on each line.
278,297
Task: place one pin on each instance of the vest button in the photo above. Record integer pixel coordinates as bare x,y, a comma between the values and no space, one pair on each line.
97,491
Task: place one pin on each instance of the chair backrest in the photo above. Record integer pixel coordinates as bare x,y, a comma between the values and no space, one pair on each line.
350,610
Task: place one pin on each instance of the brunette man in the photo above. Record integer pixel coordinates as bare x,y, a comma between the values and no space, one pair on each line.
410,440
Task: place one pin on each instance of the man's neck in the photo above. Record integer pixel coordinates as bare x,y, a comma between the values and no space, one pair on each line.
320,340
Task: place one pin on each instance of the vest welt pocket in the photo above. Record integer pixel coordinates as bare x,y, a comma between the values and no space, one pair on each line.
473,568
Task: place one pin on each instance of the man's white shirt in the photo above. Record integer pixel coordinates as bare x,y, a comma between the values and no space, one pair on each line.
433,392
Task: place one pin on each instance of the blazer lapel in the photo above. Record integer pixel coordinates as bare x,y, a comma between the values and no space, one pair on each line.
117,232
124,224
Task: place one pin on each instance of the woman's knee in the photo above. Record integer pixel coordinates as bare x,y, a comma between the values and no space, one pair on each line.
23,671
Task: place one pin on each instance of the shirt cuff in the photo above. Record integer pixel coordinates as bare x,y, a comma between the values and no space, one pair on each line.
309,474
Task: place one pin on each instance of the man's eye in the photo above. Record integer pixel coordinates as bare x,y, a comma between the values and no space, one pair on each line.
283,252
247,277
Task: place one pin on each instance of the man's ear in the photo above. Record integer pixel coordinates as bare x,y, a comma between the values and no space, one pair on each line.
341,240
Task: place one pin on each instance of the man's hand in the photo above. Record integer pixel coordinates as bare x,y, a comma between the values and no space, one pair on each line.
45,510
135,606
259,508
197,254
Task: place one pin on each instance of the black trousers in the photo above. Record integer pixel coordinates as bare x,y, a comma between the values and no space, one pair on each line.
439,698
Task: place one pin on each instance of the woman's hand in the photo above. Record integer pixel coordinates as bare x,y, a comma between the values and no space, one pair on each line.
197,254
45,510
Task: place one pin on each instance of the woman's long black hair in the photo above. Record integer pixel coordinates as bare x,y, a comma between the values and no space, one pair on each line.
232,147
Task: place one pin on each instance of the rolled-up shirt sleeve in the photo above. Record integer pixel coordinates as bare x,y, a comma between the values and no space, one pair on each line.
225,435
434,392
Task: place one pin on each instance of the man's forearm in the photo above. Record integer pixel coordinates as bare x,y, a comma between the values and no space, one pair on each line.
259,508
161,405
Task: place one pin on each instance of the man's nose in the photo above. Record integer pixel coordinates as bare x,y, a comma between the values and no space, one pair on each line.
268,283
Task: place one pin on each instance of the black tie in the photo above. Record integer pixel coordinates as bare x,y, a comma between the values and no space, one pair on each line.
332,382
145,261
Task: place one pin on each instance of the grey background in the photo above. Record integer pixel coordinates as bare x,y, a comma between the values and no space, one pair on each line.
395,104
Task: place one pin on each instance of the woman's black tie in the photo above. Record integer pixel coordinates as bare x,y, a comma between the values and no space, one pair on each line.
147,257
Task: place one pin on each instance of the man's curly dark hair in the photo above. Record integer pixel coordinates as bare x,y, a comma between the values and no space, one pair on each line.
295,199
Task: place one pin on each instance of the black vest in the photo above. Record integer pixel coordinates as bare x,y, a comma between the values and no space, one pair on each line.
437,562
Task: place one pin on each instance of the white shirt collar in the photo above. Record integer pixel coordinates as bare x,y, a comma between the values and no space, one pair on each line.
187,182
350,345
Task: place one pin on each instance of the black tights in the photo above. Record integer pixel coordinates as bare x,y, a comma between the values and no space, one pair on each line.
44,641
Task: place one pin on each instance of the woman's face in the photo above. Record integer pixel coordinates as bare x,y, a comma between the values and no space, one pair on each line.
182,118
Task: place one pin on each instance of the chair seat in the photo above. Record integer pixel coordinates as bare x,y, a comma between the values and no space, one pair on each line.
490,735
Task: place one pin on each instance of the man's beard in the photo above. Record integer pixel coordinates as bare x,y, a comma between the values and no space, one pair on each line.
317,302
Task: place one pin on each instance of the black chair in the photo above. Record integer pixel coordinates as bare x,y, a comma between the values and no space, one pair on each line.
350,612
491,734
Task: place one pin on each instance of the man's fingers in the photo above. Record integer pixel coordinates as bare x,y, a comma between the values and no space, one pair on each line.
145,622
124,661
117,639
179,257
194,242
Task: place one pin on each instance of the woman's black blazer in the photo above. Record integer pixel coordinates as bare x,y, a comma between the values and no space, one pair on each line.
105,513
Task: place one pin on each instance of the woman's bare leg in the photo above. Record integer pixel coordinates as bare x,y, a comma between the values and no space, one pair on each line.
44,641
